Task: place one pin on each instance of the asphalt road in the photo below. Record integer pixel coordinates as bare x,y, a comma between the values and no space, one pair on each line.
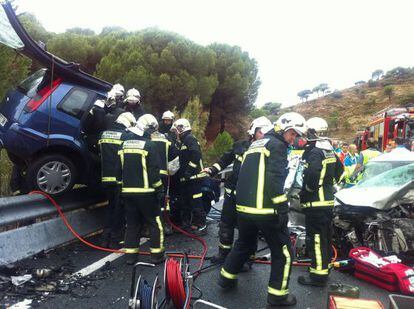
108,287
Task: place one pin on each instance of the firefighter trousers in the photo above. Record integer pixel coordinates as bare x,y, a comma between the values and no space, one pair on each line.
114,218
318,222
139,210
228,221
191,203
276,233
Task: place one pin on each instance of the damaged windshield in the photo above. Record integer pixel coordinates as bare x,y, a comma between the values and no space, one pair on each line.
8,36
392,178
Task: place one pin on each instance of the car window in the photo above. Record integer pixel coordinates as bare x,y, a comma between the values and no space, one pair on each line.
393,178
75,103
8,36
30,85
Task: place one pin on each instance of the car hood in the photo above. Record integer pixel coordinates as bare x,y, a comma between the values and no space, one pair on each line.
381,198
13,34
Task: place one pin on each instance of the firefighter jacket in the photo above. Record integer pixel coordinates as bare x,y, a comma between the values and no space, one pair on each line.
262,176
191,162
164,147
111,115
235,156
323,169
109,143
140,165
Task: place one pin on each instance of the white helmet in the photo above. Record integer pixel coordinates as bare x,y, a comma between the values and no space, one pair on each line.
318,124
133,96
293,121
145,122
118,90
261,123
126,119
168,115
182,125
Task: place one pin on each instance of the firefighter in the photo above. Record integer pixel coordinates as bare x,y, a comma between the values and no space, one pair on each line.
167,120
118,92
190,174
142,189
132,103
322,169
109,143
262,206
228,219
166,153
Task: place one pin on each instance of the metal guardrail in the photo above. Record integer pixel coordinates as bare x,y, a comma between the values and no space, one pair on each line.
29,238
23,208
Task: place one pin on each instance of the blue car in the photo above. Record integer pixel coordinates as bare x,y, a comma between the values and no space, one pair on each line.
43,121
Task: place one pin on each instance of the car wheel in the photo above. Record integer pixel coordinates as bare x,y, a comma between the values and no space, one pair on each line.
53,174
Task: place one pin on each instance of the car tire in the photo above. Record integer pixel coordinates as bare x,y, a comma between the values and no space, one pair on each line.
54,174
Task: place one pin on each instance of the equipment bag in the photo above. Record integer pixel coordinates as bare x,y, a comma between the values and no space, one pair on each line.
386,272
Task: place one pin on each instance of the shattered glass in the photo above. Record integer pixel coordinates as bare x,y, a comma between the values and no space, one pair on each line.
8,36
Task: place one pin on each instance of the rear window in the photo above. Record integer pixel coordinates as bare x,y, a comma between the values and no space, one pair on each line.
76,102
30,86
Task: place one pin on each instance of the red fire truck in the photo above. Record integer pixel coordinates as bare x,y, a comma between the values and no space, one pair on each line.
388,124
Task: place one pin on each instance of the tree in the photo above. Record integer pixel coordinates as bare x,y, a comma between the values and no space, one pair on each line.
389,91
304,94
376,75
221,144
198,119
272,108
398,72
323,87
360,83
316,89
238,84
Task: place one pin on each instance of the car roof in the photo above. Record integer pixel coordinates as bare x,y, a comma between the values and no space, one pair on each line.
399,154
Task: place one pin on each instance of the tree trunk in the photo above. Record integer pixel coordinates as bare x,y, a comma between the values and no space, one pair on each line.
222,123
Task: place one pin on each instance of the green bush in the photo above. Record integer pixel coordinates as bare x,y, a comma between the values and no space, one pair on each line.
221,144
5,172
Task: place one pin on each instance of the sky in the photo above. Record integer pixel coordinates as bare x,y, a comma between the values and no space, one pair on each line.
298,44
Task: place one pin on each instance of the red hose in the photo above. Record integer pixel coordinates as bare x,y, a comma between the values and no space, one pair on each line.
65,221
175,283
177,255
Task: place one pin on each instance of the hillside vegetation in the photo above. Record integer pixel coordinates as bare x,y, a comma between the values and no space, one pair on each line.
351,109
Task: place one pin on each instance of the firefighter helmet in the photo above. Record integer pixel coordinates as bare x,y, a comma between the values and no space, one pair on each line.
182,125
133,96
293,121
260,123
118,90
168,115
145,123
318,124
126,119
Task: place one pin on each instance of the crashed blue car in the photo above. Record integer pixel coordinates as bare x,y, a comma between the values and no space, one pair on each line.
42,120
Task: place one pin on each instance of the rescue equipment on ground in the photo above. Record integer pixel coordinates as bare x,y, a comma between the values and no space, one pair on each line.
386,272
143,295
337,302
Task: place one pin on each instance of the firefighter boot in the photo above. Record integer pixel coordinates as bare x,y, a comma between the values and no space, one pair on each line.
157,258
226,284
220,257
276,302
313,281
